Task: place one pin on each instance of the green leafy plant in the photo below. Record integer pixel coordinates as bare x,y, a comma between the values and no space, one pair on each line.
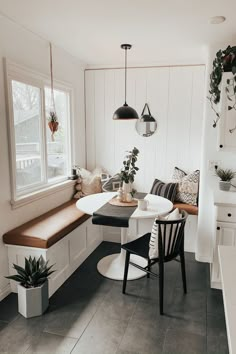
34,274
225,175
52,117
225,61
129,169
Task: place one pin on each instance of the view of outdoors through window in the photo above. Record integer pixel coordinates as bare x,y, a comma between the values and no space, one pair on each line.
27,120
29,142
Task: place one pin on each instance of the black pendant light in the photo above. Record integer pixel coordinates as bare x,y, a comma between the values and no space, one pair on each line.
125,112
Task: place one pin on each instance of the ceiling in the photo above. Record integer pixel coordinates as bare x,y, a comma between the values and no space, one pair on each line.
161,31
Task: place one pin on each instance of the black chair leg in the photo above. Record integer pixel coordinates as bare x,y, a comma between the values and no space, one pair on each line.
127,258
161,286
149,268
182,260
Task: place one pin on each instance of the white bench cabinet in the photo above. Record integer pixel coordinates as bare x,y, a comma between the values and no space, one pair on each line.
67,254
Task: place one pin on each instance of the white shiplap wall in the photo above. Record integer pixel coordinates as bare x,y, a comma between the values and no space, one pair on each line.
175,96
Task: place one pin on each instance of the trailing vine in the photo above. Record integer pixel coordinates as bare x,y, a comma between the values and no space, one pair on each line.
225,61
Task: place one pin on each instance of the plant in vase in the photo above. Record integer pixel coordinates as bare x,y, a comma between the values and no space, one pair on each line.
129,170
225,178
53,123
33,286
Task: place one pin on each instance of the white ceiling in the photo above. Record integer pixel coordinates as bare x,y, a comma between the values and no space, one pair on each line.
168,31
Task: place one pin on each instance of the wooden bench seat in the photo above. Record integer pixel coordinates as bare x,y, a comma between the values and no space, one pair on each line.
47,229
190,209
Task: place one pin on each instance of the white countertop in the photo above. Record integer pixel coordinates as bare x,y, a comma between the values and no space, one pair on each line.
227,258
225,198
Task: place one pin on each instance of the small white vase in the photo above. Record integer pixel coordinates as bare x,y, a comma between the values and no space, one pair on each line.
127,187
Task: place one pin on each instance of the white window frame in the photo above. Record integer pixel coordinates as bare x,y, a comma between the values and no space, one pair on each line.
19,73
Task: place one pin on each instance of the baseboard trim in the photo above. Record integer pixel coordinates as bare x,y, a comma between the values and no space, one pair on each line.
4,292
203,259
216,285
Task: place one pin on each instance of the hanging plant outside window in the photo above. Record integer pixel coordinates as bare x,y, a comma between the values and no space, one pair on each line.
52,119
225,61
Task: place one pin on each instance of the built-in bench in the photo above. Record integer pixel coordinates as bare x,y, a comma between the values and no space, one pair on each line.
64,236
190,209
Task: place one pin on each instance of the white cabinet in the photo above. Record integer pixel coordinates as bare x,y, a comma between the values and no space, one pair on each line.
225,234
226,141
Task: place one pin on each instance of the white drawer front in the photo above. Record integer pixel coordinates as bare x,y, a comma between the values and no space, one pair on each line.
226,213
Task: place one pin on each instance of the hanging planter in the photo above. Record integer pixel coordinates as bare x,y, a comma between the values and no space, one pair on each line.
225,61
52,119
53,123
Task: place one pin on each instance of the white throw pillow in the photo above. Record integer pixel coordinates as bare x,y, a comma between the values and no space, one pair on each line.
90,181
153,244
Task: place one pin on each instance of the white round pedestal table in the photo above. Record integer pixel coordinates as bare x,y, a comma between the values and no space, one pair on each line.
112,266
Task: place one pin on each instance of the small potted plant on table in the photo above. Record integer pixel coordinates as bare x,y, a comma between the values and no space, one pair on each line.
33,286
225,178
129,170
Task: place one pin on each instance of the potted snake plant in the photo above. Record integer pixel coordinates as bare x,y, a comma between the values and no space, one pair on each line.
33,286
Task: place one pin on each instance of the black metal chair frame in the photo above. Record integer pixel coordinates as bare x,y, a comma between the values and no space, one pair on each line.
168,250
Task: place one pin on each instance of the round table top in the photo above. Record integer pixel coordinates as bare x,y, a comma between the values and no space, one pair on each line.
157,205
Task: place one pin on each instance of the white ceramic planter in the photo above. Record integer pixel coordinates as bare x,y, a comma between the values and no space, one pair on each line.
127,187
34,301
224,186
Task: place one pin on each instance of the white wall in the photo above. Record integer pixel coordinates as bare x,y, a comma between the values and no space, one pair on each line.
175,96
28,50
209,183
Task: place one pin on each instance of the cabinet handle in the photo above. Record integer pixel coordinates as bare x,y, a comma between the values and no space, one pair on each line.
221,146
218,228
229,215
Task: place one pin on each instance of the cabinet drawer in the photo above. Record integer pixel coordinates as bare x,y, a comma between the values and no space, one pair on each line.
226,213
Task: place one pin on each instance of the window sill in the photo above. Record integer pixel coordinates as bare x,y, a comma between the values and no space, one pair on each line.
41,194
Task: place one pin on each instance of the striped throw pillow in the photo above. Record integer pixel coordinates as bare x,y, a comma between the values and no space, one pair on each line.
166,190
153,243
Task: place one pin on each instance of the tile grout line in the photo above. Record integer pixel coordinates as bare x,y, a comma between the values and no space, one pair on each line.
131,317
89,321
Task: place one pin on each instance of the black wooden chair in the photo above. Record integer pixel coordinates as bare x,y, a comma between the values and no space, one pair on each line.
170,246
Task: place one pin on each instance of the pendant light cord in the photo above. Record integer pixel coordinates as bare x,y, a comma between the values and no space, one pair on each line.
125,75
51,73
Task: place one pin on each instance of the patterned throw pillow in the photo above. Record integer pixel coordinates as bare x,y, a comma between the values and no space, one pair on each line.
166,190
112,184
188,185
153,243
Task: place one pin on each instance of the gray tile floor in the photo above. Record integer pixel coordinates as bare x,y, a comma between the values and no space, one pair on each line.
89,315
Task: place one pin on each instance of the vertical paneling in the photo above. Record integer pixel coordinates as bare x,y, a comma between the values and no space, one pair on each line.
195,131
90,126
99,116
109,126
179,116
175,96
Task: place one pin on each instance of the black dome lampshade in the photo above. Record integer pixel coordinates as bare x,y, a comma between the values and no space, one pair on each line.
125,112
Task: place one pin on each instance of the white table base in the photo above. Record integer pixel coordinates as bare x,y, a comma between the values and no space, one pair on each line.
113,266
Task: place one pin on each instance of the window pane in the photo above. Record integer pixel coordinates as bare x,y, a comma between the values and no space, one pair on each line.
27,117
57,150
